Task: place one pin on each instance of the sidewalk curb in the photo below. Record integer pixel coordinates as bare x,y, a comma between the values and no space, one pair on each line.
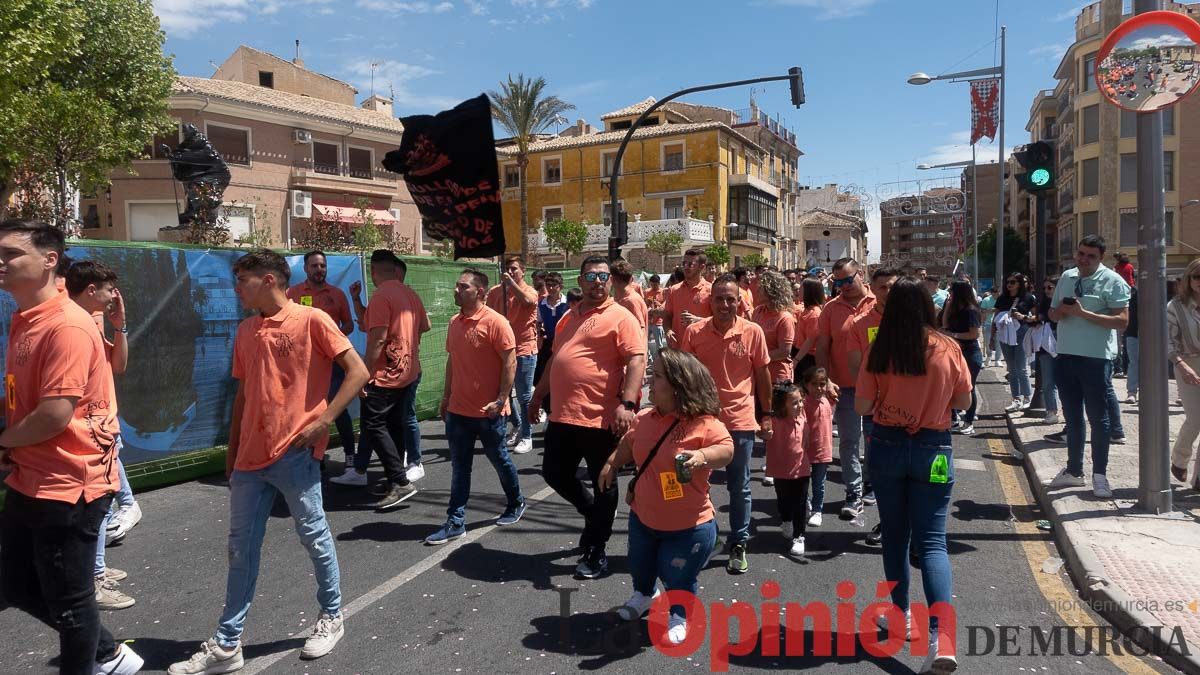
1089,575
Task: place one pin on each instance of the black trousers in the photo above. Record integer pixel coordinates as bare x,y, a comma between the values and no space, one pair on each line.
382,421
566,446
47,554
791,494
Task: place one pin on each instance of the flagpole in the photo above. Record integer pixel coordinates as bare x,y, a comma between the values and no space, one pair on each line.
999,279
974,218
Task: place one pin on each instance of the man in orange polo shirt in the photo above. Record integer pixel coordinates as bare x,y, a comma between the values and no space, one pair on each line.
853,300
60,446
518,301
622,292
735,351
687,302
315,292
283,358
481,362
395,320
595,375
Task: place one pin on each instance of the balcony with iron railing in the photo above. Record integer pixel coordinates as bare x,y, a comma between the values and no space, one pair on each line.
352,179
748,116
693,231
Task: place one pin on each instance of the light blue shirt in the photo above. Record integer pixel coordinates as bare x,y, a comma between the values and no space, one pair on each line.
1102,292
939,298
988,303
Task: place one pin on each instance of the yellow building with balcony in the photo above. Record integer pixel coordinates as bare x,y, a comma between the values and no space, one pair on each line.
692,170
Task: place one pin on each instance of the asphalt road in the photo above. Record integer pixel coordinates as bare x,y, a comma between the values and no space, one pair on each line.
492,603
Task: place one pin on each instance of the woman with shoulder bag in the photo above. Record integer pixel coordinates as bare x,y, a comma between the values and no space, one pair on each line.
675,444
912,378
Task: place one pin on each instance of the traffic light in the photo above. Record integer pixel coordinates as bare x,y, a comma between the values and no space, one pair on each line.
1037,159
797,82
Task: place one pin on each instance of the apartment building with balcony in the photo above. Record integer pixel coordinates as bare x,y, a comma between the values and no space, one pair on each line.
1097,152
918,230
693,170
832,224
297,147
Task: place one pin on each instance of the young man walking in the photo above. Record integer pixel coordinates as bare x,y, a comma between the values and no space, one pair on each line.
282,358
480,365
595,375
517,301
59,446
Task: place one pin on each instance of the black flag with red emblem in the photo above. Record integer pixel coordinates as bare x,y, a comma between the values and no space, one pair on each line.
449,163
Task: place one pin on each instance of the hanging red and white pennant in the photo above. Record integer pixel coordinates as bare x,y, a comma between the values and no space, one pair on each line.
985,108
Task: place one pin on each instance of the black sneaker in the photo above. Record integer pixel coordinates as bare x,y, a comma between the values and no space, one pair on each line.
868,497
593,564
876,536
1059,438
395,495
737,560
1117,440
853,507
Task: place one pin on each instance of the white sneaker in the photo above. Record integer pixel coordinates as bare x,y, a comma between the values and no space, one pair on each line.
1026,402
814,520
797,547
637,605
415,472
787,529
1064,479
1052,419
124,519
966,431
523,446
941,659
126,662
676,629
212,659
324,638
908,633
1132,399
350,477
768,481
541,417
1014,406
1100,486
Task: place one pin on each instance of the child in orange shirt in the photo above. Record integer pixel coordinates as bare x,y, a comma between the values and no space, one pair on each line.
818,435
788,463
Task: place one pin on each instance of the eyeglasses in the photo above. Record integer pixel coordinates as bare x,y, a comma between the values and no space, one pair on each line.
593,277
838,283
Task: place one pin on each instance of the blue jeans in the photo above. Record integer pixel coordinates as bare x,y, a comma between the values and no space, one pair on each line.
1047,367
817,501
523,388
653,555
737,480
849,424
1018,370
1083,383
912,506
122,497
974,359
1133,376
297,476
461,434
1115,428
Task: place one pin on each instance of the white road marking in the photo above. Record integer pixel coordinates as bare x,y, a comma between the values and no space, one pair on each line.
969,464
379,592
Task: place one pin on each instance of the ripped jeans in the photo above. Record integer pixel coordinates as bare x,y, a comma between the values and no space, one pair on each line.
297,476
675,557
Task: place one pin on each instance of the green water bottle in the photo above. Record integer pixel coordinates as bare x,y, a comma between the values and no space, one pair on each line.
939,471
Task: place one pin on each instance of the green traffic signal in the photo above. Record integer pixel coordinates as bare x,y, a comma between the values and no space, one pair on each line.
1039,177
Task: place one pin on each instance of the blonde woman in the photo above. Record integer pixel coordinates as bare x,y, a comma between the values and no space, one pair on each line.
1183,329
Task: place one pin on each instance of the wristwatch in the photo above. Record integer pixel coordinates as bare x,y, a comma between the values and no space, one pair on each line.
629,405
123,329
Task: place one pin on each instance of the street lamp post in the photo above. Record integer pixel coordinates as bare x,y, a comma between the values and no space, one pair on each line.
616,231
966,76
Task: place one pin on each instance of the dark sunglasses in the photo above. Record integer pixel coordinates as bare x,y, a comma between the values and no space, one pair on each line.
593,277
838,283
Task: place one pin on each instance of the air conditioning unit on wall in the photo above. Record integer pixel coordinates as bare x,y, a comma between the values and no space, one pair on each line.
301,204
302,136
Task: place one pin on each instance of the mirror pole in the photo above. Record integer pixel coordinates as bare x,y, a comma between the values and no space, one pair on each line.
999,282
1154,479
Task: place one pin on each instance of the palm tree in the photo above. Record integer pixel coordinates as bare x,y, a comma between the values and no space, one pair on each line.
524,112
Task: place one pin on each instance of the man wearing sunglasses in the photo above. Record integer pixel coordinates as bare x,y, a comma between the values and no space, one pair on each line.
833,348
1090,305
686,303
595,374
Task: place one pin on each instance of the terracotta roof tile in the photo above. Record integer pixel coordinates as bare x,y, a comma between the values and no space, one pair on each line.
635,109
241,92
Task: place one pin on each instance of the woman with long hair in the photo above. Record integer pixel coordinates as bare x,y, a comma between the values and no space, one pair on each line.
1014,305
672,525
1183,329
1045,349
807,326
774,315
913,377
961,321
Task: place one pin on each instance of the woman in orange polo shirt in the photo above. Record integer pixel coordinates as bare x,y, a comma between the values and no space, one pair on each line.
669,519
913,377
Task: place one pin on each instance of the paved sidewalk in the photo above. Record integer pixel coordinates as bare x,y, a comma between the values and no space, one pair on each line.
1139,570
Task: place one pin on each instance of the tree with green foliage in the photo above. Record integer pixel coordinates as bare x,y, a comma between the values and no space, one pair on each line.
665,244
522,109
718,254
566,236
90,92
1016,253
754,260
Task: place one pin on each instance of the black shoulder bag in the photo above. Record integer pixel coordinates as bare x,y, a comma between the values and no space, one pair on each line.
646,462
